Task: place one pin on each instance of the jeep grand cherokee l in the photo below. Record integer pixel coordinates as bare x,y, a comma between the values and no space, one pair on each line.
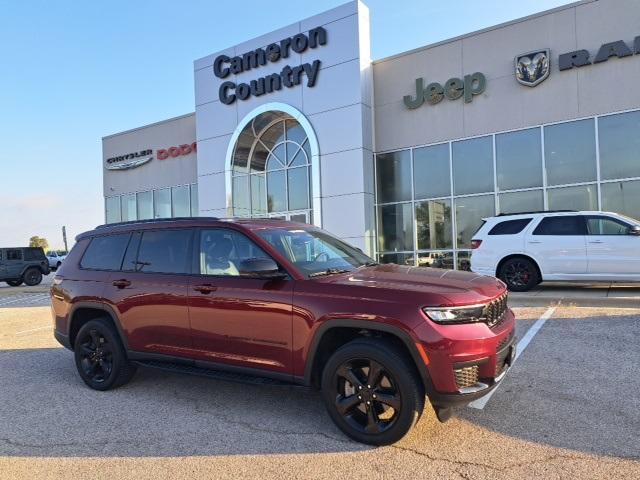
272,301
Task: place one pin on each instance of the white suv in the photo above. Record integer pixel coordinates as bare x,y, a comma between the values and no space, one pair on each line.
527,248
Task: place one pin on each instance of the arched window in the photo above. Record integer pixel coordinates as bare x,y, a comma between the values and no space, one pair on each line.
271,169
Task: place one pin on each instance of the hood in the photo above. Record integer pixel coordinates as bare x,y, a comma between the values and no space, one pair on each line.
452,287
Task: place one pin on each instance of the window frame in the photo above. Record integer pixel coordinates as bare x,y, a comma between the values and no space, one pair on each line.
606,217
89,269
553,217
188,264
195,260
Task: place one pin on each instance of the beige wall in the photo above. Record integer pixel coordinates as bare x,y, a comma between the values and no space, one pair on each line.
157,173
505,104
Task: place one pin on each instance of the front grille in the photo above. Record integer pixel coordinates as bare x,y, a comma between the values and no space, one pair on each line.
495,310
467,376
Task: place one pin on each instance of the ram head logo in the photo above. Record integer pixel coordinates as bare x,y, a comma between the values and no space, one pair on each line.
532,68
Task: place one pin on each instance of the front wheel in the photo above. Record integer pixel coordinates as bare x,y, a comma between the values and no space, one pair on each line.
519,273
32,277
372,391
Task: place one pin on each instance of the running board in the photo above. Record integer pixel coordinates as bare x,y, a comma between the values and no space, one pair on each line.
215,374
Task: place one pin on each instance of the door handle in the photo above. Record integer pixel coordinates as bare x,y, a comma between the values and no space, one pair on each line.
596,241
206,289
535,241
121,283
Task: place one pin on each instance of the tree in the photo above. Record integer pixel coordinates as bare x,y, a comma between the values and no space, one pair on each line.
37,241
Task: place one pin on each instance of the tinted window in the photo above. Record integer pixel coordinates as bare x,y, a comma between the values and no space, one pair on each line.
581,197
619,145
393,171
395,227
622,197
14,254
510,227
105,253
431,175
570,152
519,159
34,254
180,201
521,202
165,251
223,251
561,226
469,214
606,226
129,262
473,166
433,221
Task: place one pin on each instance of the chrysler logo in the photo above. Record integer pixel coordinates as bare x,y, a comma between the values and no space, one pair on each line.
532,68
130,160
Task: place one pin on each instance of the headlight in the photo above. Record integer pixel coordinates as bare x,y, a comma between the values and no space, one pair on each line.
468,314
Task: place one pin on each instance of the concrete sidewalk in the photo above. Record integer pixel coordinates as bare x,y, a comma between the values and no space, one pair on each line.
604,294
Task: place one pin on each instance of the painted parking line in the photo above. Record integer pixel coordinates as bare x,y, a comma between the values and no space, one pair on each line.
522,344
24,332
27,299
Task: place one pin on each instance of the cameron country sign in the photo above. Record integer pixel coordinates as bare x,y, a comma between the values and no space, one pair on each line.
289,77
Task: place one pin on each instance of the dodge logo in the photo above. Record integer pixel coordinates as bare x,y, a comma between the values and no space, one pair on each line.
532,68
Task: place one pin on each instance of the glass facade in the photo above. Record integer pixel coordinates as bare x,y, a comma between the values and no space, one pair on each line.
431,199
179,201
271,169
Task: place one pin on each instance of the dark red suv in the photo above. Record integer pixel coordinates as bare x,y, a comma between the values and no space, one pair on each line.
269,301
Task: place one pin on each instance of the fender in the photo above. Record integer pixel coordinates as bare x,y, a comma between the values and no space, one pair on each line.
403,335
522,254
108,309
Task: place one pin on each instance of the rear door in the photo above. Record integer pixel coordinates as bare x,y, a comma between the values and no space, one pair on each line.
558,243
150,292
3,267
611,249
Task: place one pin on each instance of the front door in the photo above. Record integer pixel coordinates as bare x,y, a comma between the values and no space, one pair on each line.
238,320
612,251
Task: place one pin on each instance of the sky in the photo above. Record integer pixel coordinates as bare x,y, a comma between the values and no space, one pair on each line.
73,72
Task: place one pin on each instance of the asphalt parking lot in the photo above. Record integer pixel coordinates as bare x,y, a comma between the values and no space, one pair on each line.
567,409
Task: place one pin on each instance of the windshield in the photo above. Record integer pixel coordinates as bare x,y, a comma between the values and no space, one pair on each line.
315,252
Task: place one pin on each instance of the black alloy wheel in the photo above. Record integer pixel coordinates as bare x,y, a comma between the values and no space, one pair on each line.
100,357
96,356
520,274
367,398
32,277
372,391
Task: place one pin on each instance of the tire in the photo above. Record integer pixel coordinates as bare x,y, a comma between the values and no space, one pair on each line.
14,283
32,277
398,381
100,357
519,273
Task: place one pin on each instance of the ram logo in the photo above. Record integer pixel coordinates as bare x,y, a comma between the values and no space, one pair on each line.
532,68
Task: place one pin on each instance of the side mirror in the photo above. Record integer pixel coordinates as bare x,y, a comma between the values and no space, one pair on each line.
635,230
260,267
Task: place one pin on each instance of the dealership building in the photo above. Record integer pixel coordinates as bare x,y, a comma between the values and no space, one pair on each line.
401,156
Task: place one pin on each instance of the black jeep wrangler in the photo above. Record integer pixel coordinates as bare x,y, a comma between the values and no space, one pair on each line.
23,264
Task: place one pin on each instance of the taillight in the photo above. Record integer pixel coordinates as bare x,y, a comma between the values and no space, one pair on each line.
476,244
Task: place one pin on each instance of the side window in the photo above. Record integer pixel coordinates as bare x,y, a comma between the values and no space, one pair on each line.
222,251
165,251
561,225
510,227
606,226
32,254
105,253
129,263
14,254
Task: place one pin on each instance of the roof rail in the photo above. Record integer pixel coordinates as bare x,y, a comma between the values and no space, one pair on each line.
155,220
535,211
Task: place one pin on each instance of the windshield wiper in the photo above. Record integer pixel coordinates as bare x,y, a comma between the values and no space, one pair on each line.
328,271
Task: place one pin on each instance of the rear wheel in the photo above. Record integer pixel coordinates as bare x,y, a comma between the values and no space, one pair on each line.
372,391
519,273
100,357
14,283
32,277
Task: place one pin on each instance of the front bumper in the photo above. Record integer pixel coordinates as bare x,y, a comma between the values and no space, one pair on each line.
62,339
